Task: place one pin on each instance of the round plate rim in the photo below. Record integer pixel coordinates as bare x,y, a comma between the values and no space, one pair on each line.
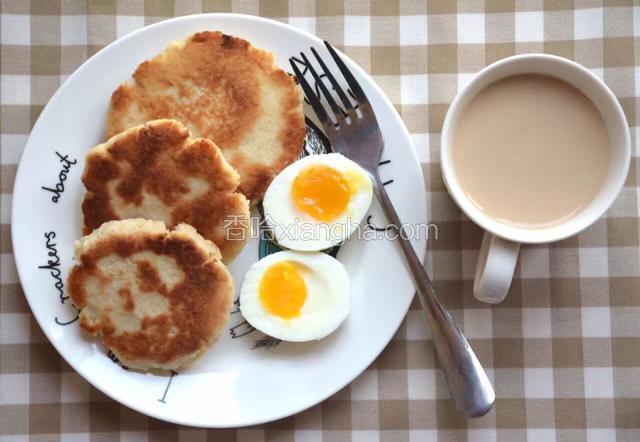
21,178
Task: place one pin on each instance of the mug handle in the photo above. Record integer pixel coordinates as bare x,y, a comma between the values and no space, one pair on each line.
494,271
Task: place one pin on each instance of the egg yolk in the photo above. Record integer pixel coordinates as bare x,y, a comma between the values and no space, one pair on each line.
321,191
283,290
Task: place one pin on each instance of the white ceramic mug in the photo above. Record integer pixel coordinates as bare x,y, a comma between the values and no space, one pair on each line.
501,242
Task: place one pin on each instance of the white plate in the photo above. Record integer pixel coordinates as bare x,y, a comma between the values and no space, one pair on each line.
232,384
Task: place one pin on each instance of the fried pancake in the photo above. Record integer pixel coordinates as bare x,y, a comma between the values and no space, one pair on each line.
156,171
156,298
224,89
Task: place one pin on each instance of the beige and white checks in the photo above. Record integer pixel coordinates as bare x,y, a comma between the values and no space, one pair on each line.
563,350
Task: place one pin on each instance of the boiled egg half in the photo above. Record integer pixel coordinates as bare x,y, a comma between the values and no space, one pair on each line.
296,296
317,202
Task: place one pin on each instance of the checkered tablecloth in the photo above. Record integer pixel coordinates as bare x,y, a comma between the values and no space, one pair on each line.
563,350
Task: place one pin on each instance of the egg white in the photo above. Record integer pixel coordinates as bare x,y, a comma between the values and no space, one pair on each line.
297,230
325,308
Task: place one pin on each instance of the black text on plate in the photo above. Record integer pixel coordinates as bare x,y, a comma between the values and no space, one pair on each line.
62,177
53,266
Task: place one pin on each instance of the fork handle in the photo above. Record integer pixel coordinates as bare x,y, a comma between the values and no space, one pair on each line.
468,384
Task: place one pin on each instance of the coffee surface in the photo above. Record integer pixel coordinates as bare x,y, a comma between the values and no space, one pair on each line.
530,151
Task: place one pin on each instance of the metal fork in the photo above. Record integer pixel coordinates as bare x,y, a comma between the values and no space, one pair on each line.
356,134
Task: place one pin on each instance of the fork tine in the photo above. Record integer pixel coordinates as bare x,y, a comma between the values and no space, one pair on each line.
313,99
351,81
345,100
327,95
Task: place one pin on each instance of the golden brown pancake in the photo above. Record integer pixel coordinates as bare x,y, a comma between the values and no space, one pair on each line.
156,171
156,298
224,89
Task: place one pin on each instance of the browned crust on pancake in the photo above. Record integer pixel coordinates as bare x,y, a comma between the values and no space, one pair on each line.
228,70
199,304
157,159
